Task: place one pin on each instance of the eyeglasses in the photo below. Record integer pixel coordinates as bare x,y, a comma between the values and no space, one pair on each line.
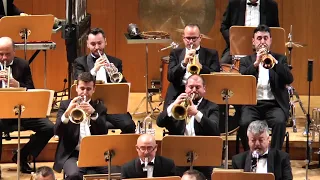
194,38
146,148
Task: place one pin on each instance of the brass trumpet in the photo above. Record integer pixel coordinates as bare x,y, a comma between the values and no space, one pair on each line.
268,61
193,68
112,70
77,114
179,111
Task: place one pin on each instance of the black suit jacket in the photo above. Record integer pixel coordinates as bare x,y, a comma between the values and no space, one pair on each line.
278,163
11,9
162,167
69,133
279,76
22,73
86,63
208,126
208,58
236,11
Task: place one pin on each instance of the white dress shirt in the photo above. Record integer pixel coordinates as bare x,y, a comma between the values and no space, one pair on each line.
188,74
101,75
84,127
262,164
149,168
189,129
252,17
263,86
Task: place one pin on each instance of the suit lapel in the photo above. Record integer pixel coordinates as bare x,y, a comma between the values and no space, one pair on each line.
181,57
156,168
242,12
270,161
202,55
90,64
247,165
138,169
263,17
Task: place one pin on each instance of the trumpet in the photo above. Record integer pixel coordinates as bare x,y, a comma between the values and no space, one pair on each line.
77,114
8,73
267,59
193,68
179,111
112,70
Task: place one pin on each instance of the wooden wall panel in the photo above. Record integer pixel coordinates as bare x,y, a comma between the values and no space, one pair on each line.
115,15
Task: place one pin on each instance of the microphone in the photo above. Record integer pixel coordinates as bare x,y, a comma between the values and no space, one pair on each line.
172,45
254,161
310,70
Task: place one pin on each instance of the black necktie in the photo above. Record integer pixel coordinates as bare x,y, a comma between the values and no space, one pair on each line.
252,4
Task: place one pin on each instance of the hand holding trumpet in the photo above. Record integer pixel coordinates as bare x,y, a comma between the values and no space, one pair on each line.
79,102
4,77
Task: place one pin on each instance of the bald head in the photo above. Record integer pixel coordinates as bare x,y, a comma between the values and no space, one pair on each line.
146,138
6,50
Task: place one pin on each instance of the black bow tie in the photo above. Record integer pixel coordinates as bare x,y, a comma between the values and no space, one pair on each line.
197,51
149,163
252,4
263,156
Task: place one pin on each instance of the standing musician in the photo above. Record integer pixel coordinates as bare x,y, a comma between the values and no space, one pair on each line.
206,59
147,165
97,64
260,158
201,116
21,76
273,74
247,13
71,129
7,8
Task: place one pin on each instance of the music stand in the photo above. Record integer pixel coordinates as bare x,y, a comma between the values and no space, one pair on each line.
146,42
223,91
159,178
118,149
115,96
21,104
193,150
33,28
236,175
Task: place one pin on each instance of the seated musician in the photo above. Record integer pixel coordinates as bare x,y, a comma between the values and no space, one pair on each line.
44,173
147,165
10,9
272,95
201,117
21,77
96,64
208,61
193,175
71,130
260,158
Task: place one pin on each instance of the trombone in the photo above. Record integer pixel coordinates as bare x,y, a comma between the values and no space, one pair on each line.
112,70
179,111
193,68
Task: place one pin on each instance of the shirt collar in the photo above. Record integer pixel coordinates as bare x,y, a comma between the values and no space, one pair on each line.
258,2
197,49
142,162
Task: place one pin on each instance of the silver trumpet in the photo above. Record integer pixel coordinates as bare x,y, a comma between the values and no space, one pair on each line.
112,70
315,126
8,74
145,127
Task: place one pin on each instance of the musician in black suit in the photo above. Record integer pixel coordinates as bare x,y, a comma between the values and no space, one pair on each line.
247,13
93,63
193,175
260,158
12,10
70,134
207,60
21,77
272,95
157,166
202,117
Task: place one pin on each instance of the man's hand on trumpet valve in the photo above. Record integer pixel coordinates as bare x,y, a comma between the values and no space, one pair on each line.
14,83
100,62
73,104
182,97
3,75
87,107
188,57
192,110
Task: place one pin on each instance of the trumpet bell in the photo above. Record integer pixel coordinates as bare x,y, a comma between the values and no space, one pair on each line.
268,62
194,69
77,116
116,77
179,112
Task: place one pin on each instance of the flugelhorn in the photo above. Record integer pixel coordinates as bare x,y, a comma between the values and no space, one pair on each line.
193,68
179,111
77,114
267,59
112,70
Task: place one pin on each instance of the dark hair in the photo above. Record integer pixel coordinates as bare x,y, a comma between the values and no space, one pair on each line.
96,31
197,174
192,25
86,77
262,28
203,82
44,171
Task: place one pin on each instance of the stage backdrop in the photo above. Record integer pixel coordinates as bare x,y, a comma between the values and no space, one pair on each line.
115,15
